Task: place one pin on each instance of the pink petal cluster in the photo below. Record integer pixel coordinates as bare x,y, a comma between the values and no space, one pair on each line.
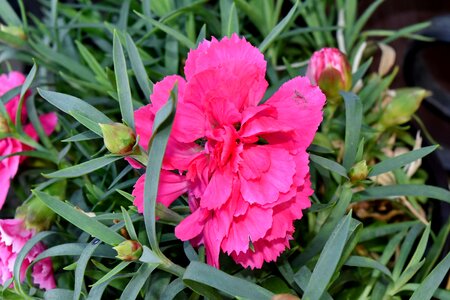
10,165
243,164
13,236
329,64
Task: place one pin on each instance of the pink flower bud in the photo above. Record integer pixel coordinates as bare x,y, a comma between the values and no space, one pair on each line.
329,69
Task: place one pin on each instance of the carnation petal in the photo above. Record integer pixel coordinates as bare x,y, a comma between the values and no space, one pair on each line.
218,190
300,104
192,225
247,228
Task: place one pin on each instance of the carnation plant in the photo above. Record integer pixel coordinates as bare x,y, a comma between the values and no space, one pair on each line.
245,149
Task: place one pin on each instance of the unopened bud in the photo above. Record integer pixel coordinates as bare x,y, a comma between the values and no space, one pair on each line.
14,31
129,250
330,70
118,138
359,171
402,106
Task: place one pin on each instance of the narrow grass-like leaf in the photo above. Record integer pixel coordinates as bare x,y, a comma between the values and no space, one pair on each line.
376,231
162,127
434,251
353,122
273,35
81,265
87,122
302,278
75,249
401,160
80,219
406,249
318,242
83,168
359,24
432,281
173,289
201,35
8,14
69,104
328,260
136,283
367,262
129,224
83,136
171,55
23,90
23,254
58,294
392,191
406,31
233,286
123,85
122,265
228,17
361,71
329,165
169,30
91,61
138,67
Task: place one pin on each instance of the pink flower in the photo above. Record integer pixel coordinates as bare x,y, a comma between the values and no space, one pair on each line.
243,164
13,236
8,145
329,69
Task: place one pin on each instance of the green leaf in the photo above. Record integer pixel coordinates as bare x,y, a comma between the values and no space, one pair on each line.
318,242
129,224
329,165
359,24
148,256
83,168
23,254
75,249
434,251
69,104
273,35
198,272
123,85
361,71
303,276
80,219
170,31
83,136
401,160
228,17
432,281
8,14
162,127
91,61
138,67
353,121
58,294
392,191
23,90
367,262
328,260
173,289
136,283
122,265
406,248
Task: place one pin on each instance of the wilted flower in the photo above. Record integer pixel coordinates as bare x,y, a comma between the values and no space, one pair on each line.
401,106
9,165
118,138
329,69
243,164
13,236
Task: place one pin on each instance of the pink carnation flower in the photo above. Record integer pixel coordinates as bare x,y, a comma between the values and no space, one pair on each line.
243,164
13,236
10,165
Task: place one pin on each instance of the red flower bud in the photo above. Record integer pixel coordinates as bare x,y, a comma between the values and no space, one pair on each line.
329,69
